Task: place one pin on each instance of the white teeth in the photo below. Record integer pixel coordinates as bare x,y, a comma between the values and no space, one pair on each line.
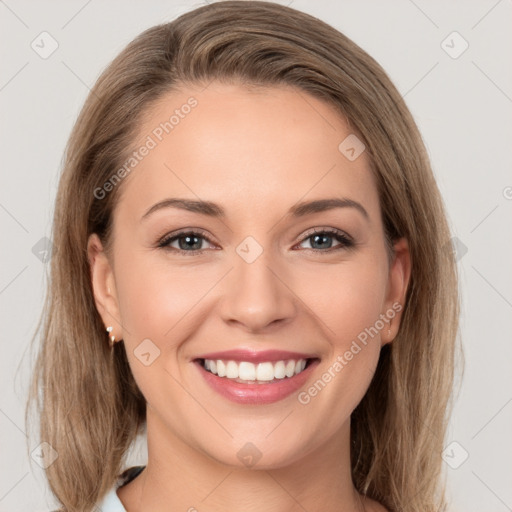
221,368
247,371
232,370
290,369
279,372
265,371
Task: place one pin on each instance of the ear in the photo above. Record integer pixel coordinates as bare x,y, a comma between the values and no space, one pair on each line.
398,281
103,284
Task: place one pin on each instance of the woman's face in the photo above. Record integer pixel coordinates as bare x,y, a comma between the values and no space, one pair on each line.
252,283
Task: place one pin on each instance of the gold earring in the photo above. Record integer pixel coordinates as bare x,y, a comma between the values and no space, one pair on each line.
112,338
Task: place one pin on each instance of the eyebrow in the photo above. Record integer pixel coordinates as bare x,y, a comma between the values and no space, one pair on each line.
298,210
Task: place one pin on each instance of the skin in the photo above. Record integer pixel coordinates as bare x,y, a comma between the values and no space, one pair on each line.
256,153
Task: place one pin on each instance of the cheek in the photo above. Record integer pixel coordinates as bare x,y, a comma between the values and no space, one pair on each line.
348,301
346,298
342,298
154,298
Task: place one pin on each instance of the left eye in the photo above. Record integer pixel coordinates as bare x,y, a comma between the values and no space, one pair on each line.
320,238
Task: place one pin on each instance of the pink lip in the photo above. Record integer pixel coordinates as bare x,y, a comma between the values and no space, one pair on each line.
256,394
256,356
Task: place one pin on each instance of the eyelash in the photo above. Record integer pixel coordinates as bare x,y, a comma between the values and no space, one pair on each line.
345,241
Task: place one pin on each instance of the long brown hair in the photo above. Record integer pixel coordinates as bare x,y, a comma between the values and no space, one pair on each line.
89,405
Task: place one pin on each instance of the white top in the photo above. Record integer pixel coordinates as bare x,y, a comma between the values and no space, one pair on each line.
111,501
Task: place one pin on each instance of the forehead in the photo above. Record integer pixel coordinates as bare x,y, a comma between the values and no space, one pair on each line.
253,150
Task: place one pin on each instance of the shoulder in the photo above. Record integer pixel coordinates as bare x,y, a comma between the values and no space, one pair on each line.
125,477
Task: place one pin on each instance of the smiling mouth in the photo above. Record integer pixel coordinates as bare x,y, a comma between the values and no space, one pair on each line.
246,372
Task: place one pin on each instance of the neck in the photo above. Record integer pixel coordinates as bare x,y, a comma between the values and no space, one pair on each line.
179,477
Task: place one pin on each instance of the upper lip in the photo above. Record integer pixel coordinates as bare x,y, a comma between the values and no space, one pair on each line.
256,356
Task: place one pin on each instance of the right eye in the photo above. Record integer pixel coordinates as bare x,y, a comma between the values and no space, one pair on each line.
189,242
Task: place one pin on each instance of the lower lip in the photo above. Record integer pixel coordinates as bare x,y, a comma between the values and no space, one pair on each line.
256,393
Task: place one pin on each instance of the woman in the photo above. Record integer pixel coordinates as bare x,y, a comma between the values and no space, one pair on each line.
252,270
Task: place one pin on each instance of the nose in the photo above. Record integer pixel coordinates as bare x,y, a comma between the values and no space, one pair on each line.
257,296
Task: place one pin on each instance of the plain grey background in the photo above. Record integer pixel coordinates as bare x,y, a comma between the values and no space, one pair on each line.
452,63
